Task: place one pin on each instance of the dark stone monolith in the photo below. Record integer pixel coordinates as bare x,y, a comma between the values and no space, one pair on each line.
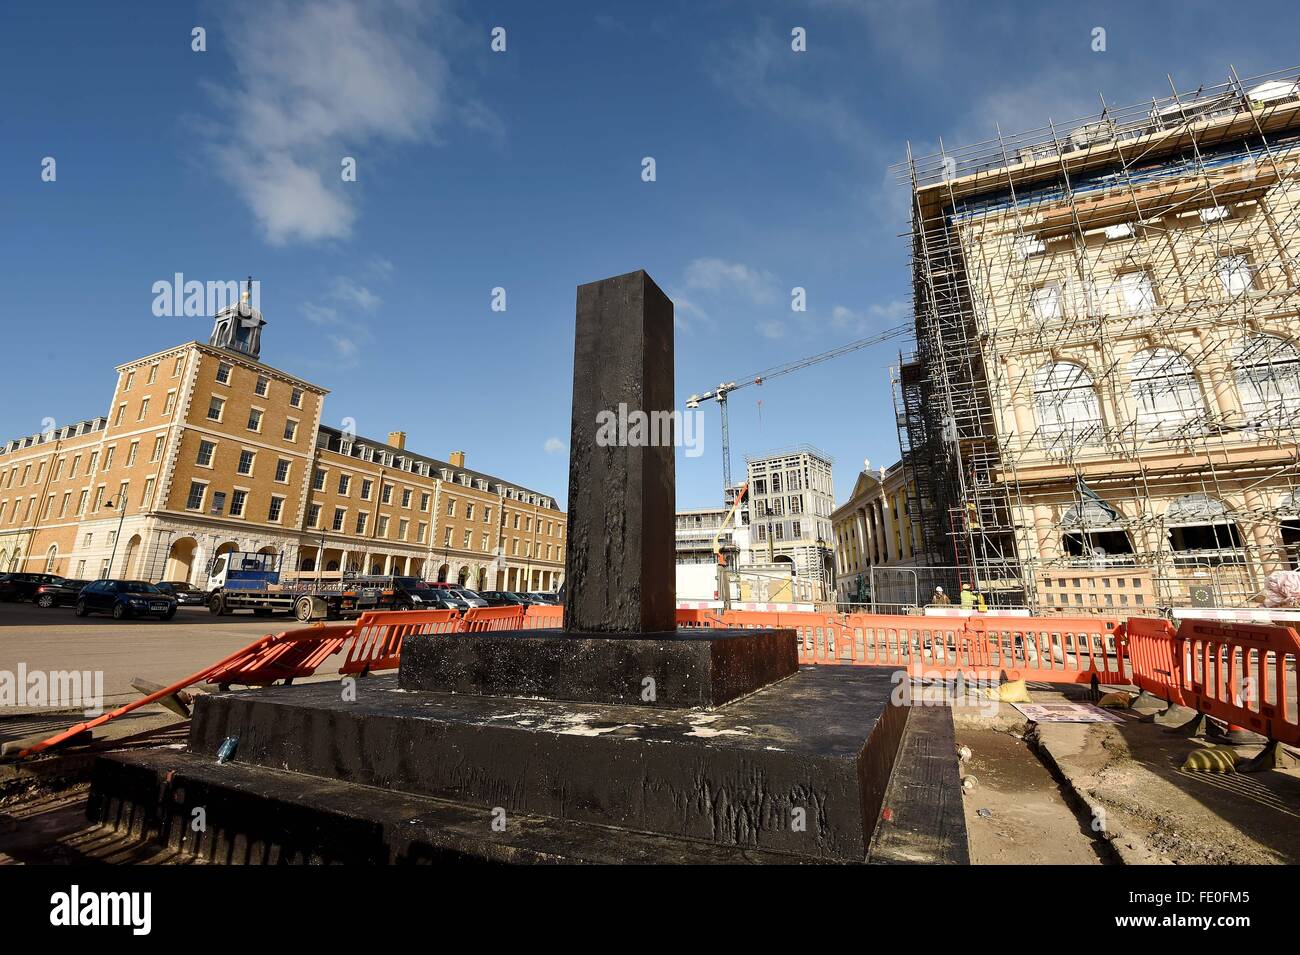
620,567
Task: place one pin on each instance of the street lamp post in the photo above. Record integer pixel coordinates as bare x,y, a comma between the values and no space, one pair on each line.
121,514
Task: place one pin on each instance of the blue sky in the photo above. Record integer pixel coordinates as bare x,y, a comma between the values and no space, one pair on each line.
522,170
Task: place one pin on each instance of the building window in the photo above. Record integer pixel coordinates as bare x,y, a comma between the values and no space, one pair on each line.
403,526
282,470
361,522
1267,370
121,413
485,543
153,374
313,515
246,459
263,385
367,486
108,460
386,494
170,404
295,397
176,368
1066,404
318,480
424,502
157,449
218,501
215,407
130,380
446,537
340,514
1136,293
194,502
345,484
1165,392
147,498
277,505
451,507
131,453
254,419
290,430
206,451
223,373
423,531
381,526
406,497
144,409
1235,274
1201,531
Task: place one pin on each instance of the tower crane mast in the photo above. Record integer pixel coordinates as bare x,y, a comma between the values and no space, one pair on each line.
724,389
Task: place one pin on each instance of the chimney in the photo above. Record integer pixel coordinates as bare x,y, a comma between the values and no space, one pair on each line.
458,459
397,439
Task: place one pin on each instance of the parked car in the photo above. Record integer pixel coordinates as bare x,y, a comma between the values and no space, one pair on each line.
412,593
22,586
61,594
506,598
542,598
443,598
125,598
186,594
470,597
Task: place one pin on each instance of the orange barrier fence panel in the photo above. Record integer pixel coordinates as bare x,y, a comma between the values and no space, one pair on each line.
543,617
1241,673
1156,657
285,656
376,642
1048,649
484,619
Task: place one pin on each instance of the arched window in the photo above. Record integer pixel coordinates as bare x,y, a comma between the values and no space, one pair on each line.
51,558
1066,403
1268,378
1165,392
1202,531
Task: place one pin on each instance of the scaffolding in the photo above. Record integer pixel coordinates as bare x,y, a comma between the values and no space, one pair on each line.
1107,369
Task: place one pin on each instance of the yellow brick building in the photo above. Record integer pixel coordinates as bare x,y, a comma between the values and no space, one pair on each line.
206,449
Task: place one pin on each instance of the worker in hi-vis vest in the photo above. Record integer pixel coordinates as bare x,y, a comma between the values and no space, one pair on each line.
967,597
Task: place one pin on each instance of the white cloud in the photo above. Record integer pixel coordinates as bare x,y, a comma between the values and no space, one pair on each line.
346,290
312,83
553,446
717,277
875,318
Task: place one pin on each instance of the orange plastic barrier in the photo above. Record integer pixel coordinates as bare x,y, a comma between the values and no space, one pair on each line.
1241,673
484,619
284,656
1154,652
543,617
377,637
1046,649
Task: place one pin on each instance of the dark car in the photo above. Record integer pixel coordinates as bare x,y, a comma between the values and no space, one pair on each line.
22,586
506,598
125,598
61,594
186,594
541,598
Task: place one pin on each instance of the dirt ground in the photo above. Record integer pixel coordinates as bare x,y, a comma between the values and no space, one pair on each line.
1029,820
1152,812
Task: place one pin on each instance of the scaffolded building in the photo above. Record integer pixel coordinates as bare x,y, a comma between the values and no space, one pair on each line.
1103,404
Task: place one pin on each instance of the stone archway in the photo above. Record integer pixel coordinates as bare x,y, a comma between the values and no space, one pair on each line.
130,557
180,560
462,575
443,571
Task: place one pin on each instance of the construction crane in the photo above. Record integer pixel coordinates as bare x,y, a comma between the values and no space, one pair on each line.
724,389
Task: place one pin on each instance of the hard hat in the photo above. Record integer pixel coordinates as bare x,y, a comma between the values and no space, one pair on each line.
938,590
965,586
